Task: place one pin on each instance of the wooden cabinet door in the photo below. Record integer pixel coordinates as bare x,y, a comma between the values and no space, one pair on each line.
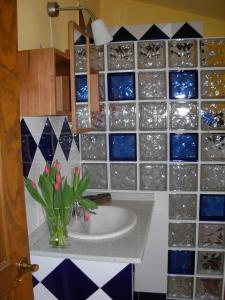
13,227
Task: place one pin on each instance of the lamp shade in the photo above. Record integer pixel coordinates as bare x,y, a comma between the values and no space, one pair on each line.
100,33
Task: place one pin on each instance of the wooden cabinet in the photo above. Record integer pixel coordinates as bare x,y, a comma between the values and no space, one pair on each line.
44,76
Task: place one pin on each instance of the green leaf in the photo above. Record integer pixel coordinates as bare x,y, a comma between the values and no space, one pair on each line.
46,189
88,204
83,184
34,192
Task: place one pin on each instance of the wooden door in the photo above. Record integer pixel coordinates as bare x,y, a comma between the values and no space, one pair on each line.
13,227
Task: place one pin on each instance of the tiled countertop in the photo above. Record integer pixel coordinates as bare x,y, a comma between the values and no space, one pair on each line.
127,248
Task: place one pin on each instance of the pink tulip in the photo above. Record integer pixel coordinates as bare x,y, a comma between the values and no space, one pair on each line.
58,178
46,170
58,166
56,186
33,184
76,171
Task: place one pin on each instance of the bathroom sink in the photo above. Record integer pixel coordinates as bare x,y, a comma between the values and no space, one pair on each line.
109,222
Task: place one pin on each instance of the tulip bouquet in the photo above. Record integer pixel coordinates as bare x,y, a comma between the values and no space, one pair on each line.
57,198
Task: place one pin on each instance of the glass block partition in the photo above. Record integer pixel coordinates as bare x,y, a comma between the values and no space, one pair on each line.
161,128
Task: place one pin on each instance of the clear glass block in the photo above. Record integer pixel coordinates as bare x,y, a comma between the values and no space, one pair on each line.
212,52
184,115
179,287
182,206
97,57
213,177
80,58
210,262
101,87
93,147
152,85
182,53
82,116
153,116
98,173
183,177
182,234
122,116
98,119
212,146
153,146
212,84
211,235
123,176
213,115
120,56
209,288
153,177
151,54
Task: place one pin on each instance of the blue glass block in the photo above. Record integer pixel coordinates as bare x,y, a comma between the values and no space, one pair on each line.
183,84
121,86
212,208
184,147
181,262
81,88
122,147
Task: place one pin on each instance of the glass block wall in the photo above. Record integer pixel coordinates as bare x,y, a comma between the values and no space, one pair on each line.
161,128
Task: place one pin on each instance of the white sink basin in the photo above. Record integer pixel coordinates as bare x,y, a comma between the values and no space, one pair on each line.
109,222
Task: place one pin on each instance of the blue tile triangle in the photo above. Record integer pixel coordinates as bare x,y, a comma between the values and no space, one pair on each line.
76,139
186,31
48,142
29,147
34,281
66,138
120,286
154,33
68,282
123,35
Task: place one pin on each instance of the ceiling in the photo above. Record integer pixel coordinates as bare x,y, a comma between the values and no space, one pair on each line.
210,8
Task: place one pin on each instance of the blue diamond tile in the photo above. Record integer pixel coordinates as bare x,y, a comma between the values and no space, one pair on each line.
184,147
68,282
120,286
181,262
66,138
81,88
212,208
186,31
34,281
122,147
183,84
48,142
29,148
121,86
76,139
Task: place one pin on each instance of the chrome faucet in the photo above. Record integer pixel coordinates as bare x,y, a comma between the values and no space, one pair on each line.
77,211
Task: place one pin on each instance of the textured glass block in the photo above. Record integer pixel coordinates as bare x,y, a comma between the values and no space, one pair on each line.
120,56
210,262
93,147
183,177
153,177
211,235
182,53
121,86
82,116
213,84
184,147
181,262
122,147
98,173
98,119
182,234
152,85
153,116
183,84
212,52
213,146
209,288
213,177
182,206
184,115
212,208
123,176
80,59
122,116
101,87
179,287
153,146
81,88
97,57
151,54
213,115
